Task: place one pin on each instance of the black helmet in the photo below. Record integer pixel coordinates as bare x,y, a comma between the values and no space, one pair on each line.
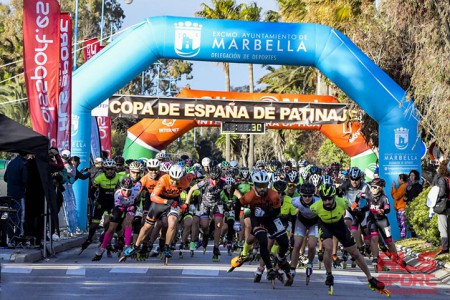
215,173
307,189
280,186
378,182
355,173
126,183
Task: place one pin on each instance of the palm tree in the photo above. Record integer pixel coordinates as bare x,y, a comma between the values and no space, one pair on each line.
224,10
13,101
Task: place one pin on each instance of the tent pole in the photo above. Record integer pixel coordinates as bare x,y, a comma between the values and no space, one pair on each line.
45,228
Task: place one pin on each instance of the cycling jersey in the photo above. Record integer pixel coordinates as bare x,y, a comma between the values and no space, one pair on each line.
287,209
269,202
106,187
244,188
121,200
164,190
305,215
210,191
333,215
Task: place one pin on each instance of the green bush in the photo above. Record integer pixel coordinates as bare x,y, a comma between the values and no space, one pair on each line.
417,216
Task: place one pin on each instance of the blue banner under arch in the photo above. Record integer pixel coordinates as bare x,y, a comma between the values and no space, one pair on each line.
258,43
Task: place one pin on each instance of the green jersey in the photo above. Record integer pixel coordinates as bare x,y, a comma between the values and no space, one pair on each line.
330,216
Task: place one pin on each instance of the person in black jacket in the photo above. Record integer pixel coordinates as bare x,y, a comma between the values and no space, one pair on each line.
414,188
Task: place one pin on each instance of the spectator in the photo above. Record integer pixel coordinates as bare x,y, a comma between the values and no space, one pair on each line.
442,180
58,178
398,194
16,177
414,188
95,170
83,174
70,208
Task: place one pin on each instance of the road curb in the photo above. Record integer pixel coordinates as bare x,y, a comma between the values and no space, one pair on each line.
34,255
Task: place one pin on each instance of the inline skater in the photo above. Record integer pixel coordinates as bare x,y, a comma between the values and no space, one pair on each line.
330,211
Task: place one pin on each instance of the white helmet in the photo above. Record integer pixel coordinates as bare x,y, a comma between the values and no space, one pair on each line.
206,161
234,163
109,163
176,171
160,155
165,167
98,160
153,163
260,177
135,166
65,154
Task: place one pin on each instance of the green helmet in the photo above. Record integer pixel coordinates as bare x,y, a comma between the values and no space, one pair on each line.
327,190
224,165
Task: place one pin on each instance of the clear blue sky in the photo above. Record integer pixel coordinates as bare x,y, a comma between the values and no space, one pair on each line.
207,75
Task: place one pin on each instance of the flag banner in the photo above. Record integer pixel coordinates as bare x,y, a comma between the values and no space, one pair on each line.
65,82
96,150
41,64
229,110
90,48
104,130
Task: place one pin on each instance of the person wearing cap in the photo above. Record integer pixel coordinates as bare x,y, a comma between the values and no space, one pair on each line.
70,209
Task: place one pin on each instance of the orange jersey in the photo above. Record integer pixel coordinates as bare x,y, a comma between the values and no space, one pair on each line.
149,183
272,200
164,190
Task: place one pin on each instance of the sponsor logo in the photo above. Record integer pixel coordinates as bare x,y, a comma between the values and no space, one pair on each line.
187,38
401,138
169,122
75,119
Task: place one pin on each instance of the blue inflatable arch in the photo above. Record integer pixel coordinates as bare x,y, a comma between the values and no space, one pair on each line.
257,43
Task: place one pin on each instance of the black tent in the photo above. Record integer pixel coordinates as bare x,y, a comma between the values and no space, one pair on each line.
15,137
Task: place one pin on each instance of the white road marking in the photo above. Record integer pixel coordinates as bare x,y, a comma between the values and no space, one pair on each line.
200,272
133,270
16,270
348,280
78,271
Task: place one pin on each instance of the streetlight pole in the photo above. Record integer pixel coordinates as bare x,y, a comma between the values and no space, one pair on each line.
75,37
102,21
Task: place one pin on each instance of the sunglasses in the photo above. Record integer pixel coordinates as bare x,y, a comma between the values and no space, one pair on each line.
374,187
110,169
292,184
126,190
261,184
326,199
355,179
152,169
307,196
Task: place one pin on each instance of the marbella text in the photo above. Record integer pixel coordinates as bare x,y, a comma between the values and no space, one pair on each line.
196,109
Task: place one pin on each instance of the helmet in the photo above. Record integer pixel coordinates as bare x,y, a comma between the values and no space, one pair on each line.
244,172
160,156
314,170
197,167
176,172
234,163
164,167
378,182
126,183
292,176
109,163
260,177
206,162
307,189
260,163
355,173
135,166
315,179
65,154
215,173
293,162
302,163
153,163
327,191
98,160
327,179
224,164
335,166
274,165
184,157
119,160
280,186
304,173
230,181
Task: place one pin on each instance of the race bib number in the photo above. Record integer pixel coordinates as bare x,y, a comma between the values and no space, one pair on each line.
279,225
387,231
259,212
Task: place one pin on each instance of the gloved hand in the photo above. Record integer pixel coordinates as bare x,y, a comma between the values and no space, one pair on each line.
184,207
237,226
174,204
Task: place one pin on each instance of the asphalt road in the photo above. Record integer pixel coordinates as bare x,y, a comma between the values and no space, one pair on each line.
69,276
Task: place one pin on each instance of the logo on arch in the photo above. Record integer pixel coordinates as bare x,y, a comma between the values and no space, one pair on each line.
401,138
187,38
169,122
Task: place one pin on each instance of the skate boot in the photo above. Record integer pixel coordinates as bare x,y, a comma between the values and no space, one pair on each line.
258,274
271,275
192,248
344,259
84,246
98,254
309,270
290,280
320,257
229,248
375,264
302,260
167,254
216,254
336,262
375,284
180,251
329,282
205,242
109,250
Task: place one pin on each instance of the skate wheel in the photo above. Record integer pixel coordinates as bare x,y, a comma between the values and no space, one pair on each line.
122,258
330,290
230,269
